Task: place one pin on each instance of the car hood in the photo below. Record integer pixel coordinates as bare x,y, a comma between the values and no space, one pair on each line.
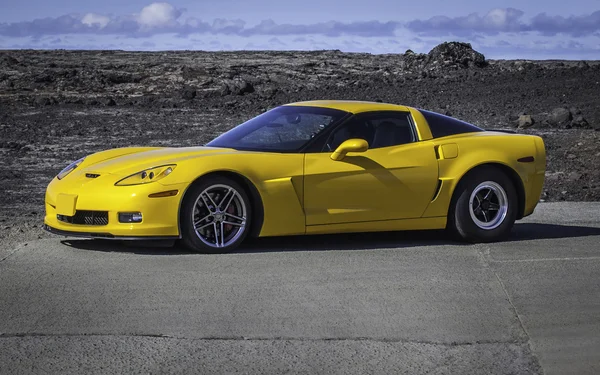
132,160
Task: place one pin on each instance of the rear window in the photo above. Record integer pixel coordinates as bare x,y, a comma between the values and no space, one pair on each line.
442,125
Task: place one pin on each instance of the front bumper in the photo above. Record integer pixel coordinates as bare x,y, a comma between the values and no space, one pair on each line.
105,236
160,215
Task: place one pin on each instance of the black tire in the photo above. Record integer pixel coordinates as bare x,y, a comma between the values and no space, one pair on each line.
467,221
193,209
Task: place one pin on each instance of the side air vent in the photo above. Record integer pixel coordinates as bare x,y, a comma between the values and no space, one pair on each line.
437,190
92,175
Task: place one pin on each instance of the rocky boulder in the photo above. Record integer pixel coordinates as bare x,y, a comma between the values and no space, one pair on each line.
579,122
560,117
188,93
525,121
42,101
236,87
8,60
456,54
108,102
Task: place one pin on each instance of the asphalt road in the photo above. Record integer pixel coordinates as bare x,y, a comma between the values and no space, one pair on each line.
364,303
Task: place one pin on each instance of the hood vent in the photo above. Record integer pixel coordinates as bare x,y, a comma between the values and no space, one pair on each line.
92,175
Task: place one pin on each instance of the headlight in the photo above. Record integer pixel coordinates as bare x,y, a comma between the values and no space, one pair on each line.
70,168
146,176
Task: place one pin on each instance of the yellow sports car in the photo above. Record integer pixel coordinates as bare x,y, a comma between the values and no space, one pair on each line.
306,168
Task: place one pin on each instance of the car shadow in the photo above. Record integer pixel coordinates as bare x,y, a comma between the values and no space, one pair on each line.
348,241
539,231
134,247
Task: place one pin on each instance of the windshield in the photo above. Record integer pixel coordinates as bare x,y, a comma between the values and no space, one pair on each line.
286,128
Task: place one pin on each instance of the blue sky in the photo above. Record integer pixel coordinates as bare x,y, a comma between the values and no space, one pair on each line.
507,29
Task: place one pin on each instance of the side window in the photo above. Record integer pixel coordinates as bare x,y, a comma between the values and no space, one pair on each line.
381,129
441,125
392,130
357,127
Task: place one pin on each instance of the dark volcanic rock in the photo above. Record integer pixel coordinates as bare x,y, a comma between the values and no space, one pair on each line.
155,109
241,87
580,122
188,93
8,60
560,117
119,78
224,90
109,102
456,54
42,101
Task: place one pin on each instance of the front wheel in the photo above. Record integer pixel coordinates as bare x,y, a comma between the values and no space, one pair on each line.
484,207
215,215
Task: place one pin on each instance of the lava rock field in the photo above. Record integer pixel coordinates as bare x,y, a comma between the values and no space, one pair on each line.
57,106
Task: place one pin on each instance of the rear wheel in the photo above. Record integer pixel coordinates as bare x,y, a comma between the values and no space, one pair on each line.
215,215
484,206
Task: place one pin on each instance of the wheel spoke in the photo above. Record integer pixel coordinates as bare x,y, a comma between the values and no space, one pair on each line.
485,216
488,194
206,203
478,202
212,201
229,201
494,206
198,222
234,216
234,224
222,235
216,234
204,226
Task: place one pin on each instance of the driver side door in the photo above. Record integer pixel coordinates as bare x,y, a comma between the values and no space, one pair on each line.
394,179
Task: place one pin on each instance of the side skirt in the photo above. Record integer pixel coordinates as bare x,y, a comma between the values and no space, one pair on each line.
380,226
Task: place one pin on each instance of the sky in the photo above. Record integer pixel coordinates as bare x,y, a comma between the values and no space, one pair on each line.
528,29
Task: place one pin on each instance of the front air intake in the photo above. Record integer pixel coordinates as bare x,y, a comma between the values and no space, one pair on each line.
85,218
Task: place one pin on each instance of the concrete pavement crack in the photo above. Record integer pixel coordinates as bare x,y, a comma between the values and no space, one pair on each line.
12,252
276,338
484,254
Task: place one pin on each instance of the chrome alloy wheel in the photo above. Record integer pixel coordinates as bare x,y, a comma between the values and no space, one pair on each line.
219,216
488,205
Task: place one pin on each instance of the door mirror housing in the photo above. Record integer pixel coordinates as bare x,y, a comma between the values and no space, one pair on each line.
351,145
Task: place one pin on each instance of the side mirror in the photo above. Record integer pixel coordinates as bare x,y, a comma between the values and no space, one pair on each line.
351,145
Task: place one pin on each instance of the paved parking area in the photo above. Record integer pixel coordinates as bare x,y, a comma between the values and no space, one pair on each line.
361,303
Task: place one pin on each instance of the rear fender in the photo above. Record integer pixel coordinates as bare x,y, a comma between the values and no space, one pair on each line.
452,171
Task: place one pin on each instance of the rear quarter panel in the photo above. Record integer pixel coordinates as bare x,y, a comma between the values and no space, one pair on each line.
475,149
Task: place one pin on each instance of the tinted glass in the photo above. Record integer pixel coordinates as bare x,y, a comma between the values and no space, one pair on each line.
442,126
380,129
283,129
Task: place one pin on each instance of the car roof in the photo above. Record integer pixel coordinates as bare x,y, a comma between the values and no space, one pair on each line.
352,106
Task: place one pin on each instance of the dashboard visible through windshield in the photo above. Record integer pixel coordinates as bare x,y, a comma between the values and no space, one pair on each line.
282,129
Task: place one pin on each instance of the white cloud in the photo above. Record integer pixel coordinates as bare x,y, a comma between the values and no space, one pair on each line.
92,19
499,18
495,21
228,26
158,14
